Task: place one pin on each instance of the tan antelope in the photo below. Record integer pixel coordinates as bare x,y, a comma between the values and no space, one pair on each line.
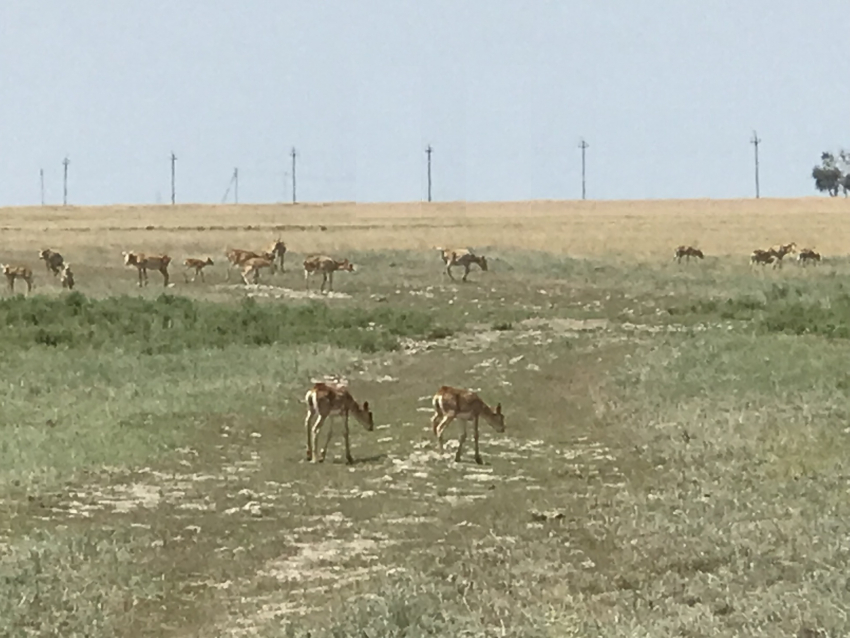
326,400
760,256
253,265
807,255
452,403
236,257
278,252
67,277
144,262
198,265
327,266
780,251
52,260
17,272
688,252
772,255
461,257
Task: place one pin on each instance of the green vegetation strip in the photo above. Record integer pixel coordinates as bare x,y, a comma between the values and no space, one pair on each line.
171,324
783,309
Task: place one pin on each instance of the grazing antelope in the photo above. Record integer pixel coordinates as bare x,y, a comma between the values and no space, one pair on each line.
236,257
688,252
780,251
772,255
461,257
17,272
784,249
760,256
808,254
253,265
52,260
278,251
143,262
325,400
67,277
325,265
198,266
452,403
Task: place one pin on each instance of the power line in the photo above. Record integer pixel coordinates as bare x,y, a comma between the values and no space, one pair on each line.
234,181
755,141
65,163
173,162
293,154
583,146
428,152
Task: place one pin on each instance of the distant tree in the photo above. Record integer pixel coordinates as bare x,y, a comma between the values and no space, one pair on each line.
833,174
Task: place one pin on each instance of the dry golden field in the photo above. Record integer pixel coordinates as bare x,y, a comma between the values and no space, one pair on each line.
630,229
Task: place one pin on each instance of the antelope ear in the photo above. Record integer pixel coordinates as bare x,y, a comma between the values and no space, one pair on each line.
366,406
498,408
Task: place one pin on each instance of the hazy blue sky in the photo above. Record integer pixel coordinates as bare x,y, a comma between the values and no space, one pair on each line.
666,92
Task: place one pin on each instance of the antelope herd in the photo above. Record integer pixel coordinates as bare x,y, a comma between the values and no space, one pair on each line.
760,256
327,399
272,258
249,263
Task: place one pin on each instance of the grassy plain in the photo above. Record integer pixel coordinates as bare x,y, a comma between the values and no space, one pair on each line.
674,461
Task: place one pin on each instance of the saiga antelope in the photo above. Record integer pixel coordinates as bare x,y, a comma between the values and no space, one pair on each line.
237,256
52,260
461,257
323,401
278,252
67,277
808,254
688,252
452,403
781,251
760,256
198,266
17,272
143,262
327,266
253,265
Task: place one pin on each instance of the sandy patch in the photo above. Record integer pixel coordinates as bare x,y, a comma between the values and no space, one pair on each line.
278,292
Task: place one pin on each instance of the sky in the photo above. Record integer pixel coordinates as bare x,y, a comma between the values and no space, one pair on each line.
666,93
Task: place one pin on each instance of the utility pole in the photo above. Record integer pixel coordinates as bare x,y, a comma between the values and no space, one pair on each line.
428,152
235,185
173,162
293,154
583,146
755,141
41,178
65,163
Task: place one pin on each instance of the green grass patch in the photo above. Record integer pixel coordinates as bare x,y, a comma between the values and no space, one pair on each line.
780,309
64,584
170,324
65,410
